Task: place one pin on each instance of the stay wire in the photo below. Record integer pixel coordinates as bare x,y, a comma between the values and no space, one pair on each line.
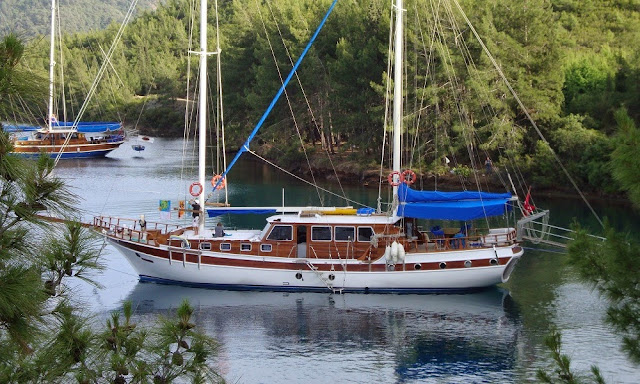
306,98
385,123
526,112
286,94
306,181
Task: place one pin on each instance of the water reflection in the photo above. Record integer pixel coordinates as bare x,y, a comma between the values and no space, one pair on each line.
455,338
316,338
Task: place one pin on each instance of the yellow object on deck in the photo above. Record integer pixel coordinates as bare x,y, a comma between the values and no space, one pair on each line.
341,211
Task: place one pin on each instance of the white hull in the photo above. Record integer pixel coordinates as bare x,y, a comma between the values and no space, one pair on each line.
297,274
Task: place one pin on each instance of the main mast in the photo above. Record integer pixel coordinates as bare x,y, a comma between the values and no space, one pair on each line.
52,63
397,96
202,111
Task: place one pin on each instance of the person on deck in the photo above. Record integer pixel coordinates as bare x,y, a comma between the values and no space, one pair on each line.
219,231
143,228
488,164
196,216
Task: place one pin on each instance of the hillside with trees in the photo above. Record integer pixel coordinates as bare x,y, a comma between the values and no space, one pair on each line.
570,61
28,18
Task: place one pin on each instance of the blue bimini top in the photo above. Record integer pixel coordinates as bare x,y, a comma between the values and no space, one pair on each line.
463,205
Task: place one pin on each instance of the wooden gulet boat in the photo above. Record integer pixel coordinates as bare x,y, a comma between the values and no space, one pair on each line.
68,143
327,248
311,250
66,140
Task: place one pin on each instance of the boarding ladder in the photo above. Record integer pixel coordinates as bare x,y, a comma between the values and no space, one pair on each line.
325,280
536,228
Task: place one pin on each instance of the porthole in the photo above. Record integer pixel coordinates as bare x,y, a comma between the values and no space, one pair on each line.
265,247
417,267
299,276
443,265
467,264
494,261
225,246
332,277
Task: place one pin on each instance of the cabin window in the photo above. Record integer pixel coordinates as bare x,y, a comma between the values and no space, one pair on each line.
245,247
205,246
265,247
365,233
321,233
345,233
281,232
225,246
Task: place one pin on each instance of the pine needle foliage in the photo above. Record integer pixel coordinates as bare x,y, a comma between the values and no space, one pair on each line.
625,162
44,334
562,372
611,266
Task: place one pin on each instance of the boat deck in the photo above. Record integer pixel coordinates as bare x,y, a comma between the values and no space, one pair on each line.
239,235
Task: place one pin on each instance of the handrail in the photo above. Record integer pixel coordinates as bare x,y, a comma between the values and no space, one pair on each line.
119,227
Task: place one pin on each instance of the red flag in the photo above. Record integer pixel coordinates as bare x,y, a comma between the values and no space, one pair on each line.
527,206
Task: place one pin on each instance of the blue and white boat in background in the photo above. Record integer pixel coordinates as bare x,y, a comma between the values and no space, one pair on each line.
64,140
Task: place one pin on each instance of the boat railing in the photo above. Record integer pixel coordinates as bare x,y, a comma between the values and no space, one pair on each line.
129,229
498,236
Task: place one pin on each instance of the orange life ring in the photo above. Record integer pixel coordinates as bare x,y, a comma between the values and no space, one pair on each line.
192,187
409,177
214,181
390,178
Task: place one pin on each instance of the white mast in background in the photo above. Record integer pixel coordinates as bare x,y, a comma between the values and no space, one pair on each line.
202,111
52,63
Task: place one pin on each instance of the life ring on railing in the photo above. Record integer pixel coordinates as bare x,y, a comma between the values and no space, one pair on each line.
409,177
193,186
390,178
215,179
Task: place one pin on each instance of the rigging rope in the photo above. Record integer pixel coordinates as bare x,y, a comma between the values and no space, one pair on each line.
385,123
100,74
245,146
286,95
188,114
525,111
305,181
306,99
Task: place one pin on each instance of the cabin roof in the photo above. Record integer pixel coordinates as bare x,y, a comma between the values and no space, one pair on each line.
333,219
48,131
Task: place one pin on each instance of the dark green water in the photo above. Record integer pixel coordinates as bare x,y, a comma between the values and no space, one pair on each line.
494,336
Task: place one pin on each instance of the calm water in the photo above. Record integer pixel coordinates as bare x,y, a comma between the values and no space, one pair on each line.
495,336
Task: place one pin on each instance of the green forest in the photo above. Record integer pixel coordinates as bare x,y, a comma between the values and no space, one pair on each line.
29,18
573,63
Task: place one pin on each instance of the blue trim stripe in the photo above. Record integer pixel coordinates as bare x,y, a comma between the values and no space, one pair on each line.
279,288
67,155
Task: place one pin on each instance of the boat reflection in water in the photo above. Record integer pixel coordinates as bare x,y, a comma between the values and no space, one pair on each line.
315,337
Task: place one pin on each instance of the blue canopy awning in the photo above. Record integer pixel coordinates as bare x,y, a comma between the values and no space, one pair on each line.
464,205
248,211
84,127
11,128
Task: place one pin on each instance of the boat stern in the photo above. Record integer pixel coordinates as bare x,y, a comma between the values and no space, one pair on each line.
517,253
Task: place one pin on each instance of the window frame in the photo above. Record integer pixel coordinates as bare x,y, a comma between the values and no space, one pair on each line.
205,246
322,226
280,225
225,246
373,233
243,245
353,235
263,246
